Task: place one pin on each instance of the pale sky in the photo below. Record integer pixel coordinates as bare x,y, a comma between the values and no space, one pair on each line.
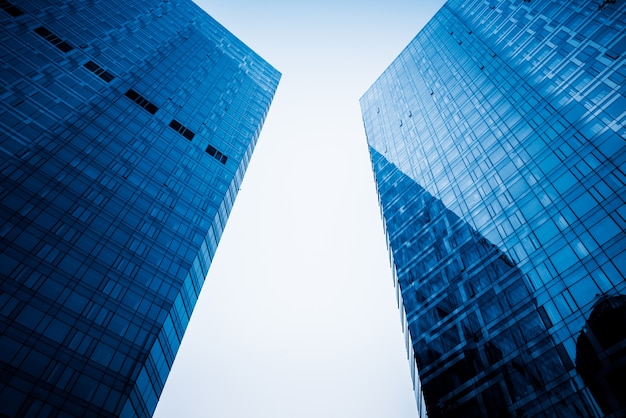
298,317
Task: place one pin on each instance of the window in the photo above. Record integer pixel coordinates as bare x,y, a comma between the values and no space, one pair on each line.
178,127
53,39
216,154
10,9
141,101
99,71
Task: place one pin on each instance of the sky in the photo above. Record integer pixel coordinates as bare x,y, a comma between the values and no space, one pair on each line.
298,317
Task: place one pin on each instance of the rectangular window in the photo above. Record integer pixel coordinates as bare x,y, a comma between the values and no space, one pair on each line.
91,66
132,94
43,32
53,39
216,154
99,71
140,100
188,134
107,76
178,127
544,317
10,9
174,124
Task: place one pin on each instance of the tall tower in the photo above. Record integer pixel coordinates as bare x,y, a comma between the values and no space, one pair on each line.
126,128
497,141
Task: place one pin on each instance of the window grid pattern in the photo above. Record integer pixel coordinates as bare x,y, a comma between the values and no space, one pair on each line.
511,116
110,219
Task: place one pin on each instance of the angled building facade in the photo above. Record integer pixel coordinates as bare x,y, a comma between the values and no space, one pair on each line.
126,128
498,145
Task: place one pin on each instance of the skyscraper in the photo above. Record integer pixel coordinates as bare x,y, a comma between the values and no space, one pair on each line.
126,128
497,141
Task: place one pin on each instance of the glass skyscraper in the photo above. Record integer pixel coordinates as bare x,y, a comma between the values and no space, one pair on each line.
497,142
125,131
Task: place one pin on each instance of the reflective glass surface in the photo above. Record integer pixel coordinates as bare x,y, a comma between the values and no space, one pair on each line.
497,140
126,128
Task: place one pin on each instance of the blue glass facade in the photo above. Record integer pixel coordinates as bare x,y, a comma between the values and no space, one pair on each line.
126,128
497,140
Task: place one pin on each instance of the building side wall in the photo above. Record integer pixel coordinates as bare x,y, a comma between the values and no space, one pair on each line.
126,130
511,116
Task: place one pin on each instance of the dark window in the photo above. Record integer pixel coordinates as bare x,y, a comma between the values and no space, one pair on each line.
216,154
64,46
10,9
136,97
107,76
188,134
91,66
178,127
41,31
149,107
544,317
132,94
174,124
53,39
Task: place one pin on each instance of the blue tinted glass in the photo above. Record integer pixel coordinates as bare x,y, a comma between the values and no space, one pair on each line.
110,214
493,137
